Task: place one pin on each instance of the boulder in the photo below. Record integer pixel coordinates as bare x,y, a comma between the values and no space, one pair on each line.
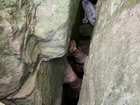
34,36
112,75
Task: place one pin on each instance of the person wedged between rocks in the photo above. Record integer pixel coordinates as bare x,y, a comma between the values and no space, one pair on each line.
69,76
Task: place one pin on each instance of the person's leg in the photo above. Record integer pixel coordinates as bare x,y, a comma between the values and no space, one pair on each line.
71,78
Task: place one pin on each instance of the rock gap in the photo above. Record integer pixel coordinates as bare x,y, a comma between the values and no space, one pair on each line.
68,93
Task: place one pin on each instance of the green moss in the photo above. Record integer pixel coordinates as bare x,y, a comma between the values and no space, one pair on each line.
49,82
4,48
1,19
15,13
2,70
113,7
7,3
1,30
36,2
128,4
12,8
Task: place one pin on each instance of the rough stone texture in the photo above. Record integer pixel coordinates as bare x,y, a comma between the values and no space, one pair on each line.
46,91
112,70
54,20
32,32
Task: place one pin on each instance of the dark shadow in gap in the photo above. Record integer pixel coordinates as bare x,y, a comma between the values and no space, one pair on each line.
69,96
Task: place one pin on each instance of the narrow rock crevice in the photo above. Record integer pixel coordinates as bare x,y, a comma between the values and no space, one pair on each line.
81,34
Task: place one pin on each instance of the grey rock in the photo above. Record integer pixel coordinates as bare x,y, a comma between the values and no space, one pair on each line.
112,69
32,32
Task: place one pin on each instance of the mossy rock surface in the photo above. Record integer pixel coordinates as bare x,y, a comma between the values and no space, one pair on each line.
112,72
32,32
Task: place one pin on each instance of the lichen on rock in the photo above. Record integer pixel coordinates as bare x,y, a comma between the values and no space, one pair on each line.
112,68
31,32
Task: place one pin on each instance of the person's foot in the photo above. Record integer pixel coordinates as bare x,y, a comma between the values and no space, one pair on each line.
72,47
74,51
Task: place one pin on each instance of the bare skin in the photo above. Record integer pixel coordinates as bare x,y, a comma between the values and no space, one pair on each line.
69,76
80,56
74,51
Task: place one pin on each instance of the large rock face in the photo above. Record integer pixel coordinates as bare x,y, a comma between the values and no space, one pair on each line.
32,32
112,70
34,37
